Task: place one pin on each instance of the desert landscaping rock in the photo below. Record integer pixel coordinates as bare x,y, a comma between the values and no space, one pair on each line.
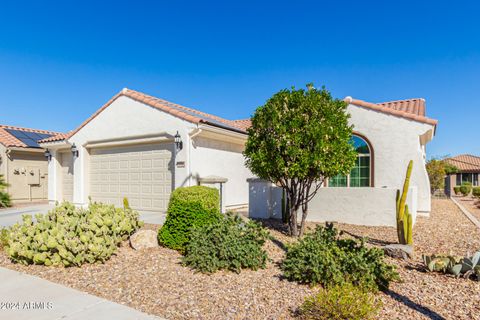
399,251
144,239
154,281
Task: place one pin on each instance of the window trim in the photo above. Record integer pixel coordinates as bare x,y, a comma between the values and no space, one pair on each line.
372,163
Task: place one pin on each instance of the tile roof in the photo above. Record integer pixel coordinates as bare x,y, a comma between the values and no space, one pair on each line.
412,109
55,138
465,162
174,109
9,140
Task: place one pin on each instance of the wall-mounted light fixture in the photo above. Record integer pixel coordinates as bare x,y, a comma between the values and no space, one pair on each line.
48,154
74,150
178,141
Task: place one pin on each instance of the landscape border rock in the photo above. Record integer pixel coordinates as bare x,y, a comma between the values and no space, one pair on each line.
144,239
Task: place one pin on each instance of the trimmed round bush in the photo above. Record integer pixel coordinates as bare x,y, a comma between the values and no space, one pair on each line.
340,302
323,258
465,189
476,192
69,236
188,207
230,243
456,189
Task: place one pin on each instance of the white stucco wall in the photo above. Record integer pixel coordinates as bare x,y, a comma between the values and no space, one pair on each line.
360,206
395,142
225,159
126,118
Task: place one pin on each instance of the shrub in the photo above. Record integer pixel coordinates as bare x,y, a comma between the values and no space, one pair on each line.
344,301
230,243
4,196
188,207
323,258
71,236
4,238
466,188
476,192
456,189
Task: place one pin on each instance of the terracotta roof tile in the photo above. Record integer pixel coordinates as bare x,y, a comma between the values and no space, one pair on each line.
465,162
9,140
174,109
55,138
412,109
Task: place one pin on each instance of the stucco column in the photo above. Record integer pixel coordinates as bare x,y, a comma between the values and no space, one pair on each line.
53,175
79,178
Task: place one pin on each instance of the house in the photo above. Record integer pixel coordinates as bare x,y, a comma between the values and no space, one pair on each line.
468,171
387,136
141,147
23,164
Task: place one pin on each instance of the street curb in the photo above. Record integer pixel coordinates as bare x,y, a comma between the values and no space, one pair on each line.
467,213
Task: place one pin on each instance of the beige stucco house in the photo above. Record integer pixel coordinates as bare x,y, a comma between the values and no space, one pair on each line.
23,163
468,171
141,147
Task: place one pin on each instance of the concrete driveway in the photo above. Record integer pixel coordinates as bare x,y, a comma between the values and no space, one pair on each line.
9,217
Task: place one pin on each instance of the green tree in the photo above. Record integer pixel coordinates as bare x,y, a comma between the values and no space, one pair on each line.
437,169
298,139
4,196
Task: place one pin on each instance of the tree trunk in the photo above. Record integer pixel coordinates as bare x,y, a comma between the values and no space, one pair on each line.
292,224
304,217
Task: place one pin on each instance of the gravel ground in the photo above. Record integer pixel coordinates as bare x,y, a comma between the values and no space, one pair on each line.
471,205
153,281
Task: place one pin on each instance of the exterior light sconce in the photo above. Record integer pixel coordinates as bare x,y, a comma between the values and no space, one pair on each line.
74,150
48,154
178,141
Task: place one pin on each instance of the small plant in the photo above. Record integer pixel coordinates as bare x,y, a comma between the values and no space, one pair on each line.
404,217
456,189
4,234
342,302
4,196
466,188
229,243
323,258
70,236
188,207
467,266
476,192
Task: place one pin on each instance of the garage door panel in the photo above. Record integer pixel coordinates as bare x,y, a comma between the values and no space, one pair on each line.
143,174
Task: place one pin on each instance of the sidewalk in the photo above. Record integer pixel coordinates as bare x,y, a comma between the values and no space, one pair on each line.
27,297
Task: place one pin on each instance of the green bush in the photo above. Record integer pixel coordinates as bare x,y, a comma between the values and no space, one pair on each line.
466,188
230,243
188,207
342,302
71,236
456,189
4,196
323,258
476,192
3,237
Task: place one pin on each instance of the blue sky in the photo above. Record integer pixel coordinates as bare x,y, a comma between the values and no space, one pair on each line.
59,62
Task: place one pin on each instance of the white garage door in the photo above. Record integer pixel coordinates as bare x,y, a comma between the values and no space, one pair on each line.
66,164
143,174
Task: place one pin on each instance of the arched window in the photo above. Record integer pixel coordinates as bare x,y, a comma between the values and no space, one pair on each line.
360,175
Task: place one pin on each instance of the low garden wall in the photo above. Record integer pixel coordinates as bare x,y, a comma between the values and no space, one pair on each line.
360,206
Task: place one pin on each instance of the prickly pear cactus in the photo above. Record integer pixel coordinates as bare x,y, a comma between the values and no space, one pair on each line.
70,236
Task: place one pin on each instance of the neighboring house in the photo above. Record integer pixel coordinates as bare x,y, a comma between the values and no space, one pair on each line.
23,164
387,136
468,171
141,147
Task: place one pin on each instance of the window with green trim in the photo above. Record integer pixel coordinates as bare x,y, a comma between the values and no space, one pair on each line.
360,174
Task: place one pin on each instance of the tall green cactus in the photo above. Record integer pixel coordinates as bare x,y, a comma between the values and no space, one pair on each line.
404,217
